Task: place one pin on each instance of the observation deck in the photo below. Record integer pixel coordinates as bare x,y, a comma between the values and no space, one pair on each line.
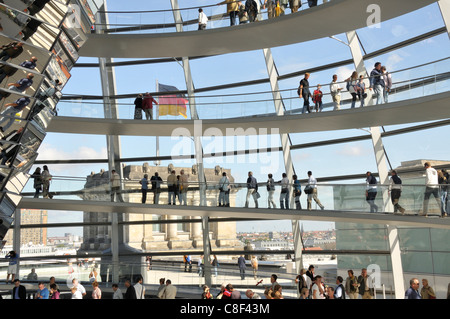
328,19
426,108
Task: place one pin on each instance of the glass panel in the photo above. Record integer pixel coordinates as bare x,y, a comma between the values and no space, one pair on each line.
417,262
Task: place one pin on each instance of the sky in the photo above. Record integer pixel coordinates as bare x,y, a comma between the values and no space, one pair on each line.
340,159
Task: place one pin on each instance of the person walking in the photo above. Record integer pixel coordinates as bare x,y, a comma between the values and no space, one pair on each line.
387,79
304,92
202,19
395,188
432,187
232,9
361,90
352,83
335,91
377,82
270,190
252,189
365,285
37,182
284,194
19,291
312,183
184,184
371,191
215,265
351,285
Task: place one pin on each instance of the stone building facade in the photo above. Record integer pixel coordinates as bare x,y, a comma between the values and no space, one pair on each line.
160,236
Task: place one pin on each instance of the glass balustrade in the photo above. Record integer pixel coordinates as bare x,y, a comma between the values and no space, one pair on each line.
434,79
162,21
334,197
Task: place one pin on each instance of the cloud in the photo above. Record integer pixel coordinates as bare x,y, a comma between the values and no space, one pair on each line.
352,151
399,30
51,152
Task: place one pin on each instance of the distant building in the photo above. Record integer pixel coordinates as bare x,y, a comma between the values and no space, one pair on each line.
37,235
151,237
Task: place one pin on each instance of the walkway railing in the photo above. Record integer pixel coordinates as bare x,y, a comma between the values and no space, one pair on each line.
162,21
361,198
422,80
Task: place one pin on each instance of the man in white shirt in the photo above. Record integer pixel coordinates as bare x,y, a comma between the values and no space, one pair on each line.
80,290
335,91
202,19
117,292
312,182
284,195
432,188
140,289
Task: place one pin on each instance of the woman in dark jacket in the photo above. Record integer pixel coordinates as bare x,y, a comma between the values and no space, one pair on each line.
37,181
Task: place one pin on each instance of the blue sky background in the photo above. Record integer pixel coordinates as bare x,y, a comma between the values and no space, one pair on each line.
340,159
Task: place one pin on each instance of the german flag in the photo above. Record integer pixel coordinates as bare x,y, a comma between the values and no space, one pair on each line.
172,104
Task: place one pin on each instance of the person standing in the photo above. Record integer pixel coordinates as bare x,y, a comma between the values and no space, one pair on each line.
301,281
242,266
243,15
371,191
251,7
12,265
117,292
144,188
42,292
365,285
443,180
427,292
339,292
96,292
377,82
19,291
413,291
395,188
270,5
147,105
284,195
361,90
115,186
317,98
335,91
184,184
317,288
171,185
202,19
312,183
81,291
54,292
37,182
432,187
254,262
352,83
232,9
156,181
252,190
46,178
168,292
224,191
304,92
215,264
271,191
387,79
139,288
138,107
